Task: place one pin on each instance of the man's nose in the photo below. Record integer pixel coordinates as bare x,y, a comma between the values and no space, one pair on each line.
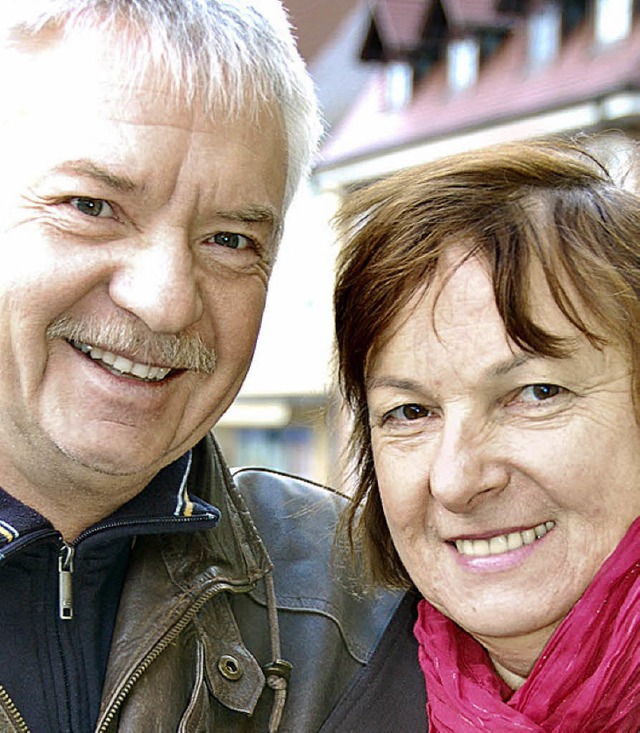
158,282
467,465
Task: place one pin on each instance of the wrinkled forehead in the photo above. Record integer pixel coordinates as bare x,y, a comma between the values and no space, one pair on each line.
68,109
462,284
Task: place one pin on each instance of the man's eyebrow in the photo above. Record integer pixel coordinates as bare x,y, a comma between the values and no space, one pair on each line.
252,214
249,214
90,169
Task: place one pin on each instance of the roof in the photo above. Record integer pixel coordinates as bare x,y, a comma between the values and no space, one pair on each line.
462,14
400,22
404,24
505,89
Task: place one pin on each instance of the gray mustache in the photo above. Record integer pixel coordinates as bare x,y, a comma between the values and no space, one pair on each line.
177,351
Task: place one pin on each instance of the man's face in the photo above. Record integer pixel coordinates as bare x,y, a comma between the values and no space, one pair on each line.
506,478
129,222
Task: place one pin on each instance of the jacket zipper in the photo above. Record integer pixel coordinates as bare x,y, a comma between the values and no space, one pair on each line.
65,612
155,652
12,710
67,553
65,581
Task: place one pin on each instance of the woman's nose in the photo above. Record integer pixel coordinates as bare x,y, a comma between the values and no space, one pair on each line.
466,466
158,282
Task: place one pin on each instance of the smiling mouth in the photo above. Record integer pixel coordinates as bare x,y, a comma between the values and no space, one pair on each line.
502,543
120,366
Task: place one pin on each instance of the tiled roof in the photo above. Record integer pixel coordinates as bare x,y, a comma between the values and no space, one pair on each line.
505,90
462,14
400,22
403,24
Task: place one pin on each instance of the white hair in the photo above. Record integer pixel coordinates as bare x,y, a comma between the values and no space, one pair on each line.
234,54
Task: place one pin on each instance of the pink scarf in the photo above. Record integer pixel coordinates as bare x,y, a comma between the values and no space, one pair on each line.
587,679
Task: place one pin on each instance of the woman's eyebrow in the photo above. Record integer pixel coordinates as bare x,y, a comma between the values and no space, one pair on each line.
500,369
503,368
384,381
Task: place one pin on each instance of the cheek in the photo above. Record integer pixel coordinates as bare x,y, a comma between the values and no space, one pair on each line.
407,507
403,483
234,313
574,466
46,273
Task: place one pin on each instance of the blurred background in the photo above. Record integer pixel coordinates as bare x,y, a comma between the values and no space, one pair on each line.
402,82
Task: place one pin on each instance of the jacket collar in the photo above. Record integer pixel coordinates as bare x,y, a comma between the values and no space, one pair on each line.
170,576
164,506
234,553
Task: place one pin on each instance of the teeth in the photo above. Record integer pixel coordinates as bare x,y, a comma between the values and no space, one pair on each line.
140,370
503,543
120,366
499,544
106,356
528,536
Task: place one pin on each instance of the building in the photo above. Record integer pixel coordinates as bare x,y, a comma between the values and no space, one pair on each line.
404,82
457,74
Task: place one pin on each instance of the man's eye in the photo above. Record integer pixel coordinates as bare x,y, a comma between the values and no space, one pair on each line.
539,392
98,208
231,240
409,412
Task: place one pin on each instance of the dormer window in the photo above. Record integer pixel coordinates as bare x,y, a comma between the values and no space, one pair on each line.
613,21
398,85
463,59
544,35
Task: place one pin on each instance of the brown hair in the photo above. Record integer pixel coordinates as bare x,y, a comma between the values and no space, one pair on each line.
544,200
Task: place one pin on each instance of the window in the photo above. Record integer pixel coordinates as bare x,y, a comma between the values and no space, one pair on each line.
544,35
398,85
289,449
613,21
463,58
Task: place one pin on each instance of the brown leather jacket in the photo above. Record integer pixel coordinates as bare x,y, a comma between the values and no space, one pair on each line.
195,633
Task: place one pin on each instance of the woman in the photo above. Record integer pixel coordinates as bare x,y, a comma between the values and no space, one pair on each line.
488,326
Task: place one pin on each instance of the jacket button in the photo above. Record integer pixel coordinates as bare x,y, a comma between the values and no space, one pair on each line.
230,667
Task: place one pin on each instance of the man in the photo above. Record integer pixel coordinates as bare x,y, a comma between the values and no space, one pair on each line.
149,151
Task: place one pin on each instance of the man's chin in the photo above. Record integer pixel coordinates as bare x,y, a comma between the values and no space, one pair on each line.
110,462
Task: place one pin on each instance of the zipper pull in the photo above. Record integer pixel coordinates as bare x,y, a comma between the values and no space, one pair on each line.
65,577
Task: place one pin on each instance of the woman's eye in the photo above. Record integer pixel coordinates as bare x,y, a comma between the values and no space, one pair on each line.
408,412
97,208
539,392
231,240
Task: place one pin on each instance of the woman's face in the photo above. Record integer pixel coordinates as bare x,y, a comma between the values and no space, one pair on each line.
506,478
